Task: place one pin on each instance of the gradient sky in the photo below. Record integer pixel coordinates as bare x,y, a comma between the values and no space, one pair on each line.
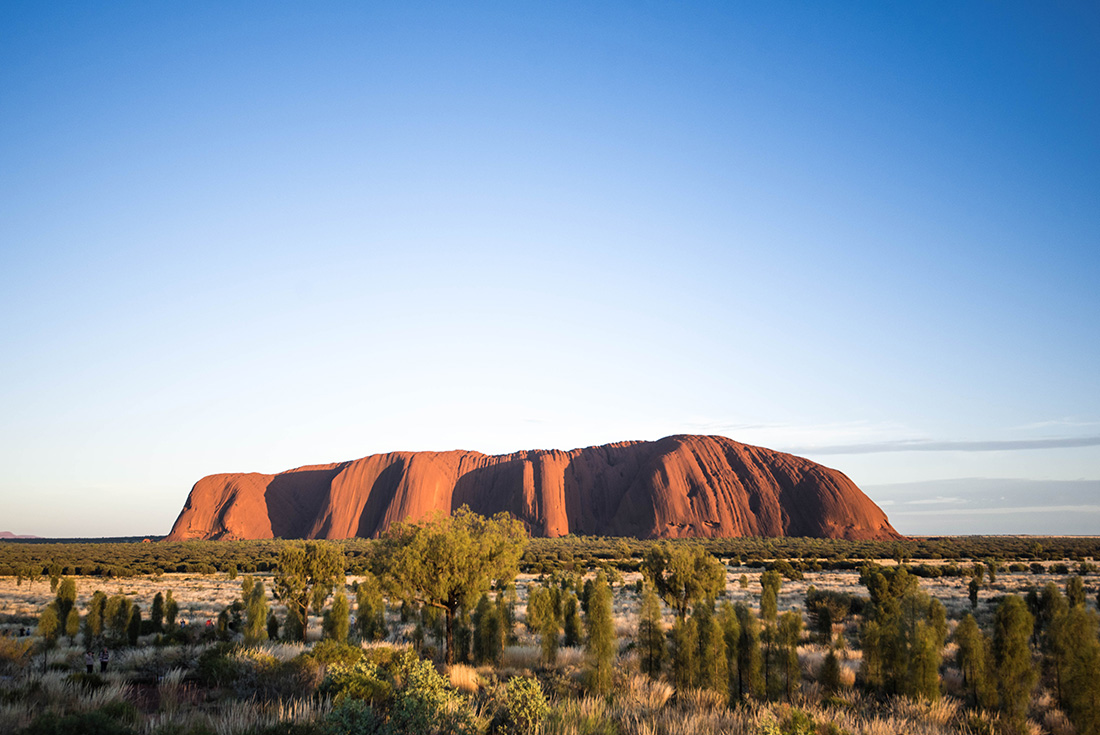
253,237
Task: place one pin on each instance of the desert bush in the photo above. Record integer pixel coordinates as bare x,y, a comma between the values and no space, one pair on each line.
408,696
524,706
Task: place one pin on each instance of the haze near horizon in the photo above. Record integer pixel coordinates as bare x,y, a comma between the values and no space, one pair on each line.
259,237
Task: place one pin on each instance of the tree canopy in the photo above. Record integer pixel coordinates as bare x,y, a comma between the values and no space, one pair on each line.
307,573
449,562
683,575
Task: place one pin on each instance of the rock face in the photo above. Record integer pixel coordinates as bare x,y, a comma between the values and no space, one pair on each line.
675,487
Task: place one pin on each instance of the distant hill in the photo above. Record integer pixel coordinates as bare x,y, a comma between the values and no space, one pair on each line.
8,535
679,486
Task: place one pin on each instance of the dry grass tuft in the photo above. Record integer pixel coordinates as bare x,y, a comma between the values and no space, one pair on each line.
464,678
521,657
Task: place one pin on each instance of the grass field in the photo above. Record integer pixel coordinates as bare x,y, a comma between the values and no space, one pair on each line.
168,695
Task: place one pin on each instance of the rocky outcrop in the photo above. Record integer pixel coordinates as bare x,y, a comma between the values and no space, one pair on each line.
675,487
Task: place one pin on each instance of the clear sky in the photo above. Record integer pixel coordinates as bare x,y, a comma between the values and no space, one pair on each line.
247,237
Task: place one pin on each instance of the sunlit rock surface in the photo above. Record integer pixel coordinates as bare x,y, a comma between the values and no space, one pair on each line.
679,486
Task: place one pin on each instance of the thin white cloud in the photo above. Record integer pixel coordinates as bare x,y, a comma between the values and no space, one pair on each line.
926,445
986,510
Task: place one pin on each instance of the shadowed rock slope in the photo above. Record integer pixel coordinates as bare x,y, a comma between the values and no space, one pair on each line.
675,487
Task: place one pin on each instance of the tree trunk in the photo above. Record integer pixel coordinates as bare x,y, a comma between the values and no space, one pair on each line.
449,650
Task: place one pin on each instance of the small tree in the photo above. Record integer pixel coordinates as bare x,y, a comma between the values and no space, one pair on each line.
830,673
133,628
770,584
94,619
171,610
684,649
789,632
572,627
306,575
255,600
600,645
156,613
49,627
335,623
731,635
651,635
683,575
448,562
973,588
272,626
488,632
711,666
370,609
72,625
542,617
1075,591
66,598
117,618
975,661
750,677
1078,650
1016,675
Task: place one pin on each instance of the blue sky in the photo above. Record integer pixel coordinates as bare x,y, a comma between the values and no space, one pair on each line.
253,237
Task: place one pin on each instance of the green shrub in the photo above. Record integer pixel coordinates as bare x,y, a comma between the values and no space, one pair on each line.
331,651
408,694
363,680
113,719
355,717
525,705
216,668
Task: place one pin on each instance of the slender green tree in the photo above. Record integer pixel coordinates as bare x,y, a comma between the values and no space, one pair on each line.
830,673
66,598
72,625
156,613
272,626
49,628
789,631
117,618
976,663
506,604
335,623
712,670
255,600
94,619
133,628
488,632
731,636
221,625
600,644
651,634
1075,591
972,590
1078,648
572,627
542,617
370,609
294,628
770,584
171,611
450,561
749,668
683,651
1016,676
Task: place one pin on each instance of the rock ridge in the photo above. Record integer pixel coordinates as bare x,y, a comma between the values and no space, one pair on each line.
679,486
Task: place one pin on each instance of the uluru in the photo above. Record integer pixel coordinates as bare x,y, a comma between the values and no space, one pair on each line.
679,486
